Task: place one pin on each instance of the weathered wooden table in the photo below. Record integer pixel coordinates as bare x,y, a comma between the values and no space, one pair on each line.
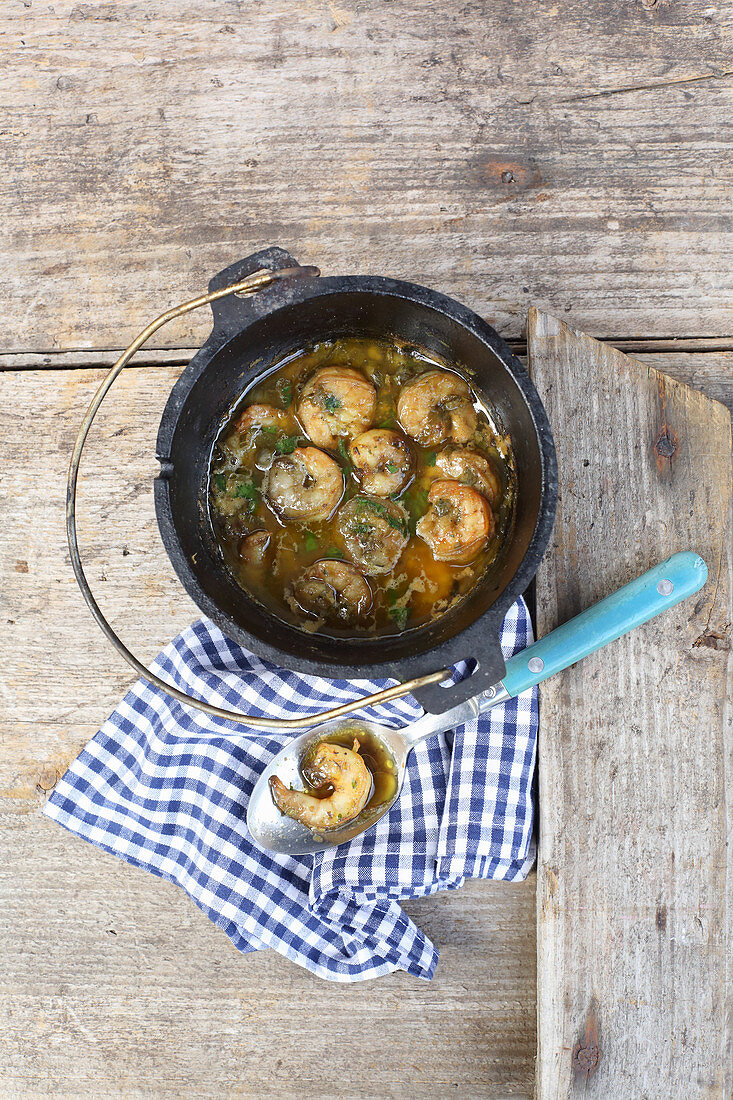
571,157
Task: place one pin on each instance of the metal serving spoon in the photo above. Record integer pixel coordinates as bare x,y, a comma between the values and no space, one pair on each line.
661,588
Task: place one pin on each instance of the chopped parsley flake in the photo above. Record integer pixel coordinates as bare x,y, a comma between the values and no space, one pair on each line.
221,482
381,510
287,444
247,490
331,402
343,451
399,614
285,392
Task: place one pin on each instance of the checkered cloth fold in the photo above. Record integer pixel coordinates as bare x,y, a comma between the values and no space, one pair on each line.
166,787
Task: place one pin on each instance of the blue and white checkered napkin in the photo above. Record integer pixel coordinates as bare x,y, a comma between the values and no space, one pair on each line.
165,787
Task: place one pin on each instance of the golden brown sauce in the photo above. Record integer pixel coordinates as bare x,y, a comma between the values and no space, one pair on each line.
418,588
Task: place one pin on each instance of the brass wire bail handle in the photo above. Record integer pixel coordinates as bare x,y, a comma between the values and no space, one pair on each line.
253,283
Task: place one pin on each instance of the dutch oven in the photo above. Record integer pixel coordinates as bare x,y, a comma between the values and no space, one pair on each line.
250,335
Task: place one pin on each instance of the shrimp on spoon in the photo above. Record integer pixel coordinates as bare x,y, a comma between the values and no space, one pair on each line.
334,766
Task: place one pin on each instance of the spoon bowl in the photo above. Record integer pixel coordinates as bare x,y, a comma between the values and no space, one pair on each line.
272,830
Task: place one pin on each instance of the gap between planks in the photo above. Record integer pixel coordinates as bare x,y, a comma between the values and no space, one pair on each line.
72,358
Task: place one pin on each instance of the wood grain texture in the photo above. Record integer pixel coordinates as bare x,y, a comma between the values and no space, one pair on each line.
710,372
112,983
634,876
504,153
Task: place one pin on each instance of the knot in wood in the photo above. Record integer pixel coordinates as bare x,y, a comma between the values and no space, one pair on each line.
586,1058
507,177
666,444
587,1052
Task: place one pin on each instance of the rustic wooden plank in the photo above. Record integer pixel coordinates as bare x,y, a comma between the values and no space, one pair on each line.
634,907
112,982
500,152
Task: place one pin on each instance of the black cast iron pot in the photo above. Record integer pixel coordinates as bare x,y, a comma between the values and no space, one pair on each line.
251,334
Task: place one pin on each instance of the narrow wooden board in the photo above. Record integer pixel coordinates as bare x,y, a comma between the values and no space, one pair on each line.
112,982
634,876
500,152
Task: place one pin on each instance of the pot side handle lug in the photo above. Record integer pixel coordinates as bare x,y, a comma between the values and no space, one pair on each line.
437,699
232,313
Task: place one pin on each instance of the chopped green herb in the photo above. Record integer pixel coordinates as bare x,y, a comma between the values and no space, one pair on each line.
420,501
334,552
311,542
381,510
221,482
431,459
353,783
340,816
393,467
399,614
388,423
331,402
247,493
397,524
284,391
287,444
269,429
343,451
247,490
417,504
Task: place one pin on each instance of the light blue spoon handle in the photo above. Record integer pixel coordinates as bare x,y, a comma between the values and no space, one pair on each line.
661,588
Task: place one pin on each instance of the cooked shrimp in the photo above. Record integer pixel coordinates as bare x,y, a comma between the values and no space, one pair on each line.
437,406
245,437
253,548
334,766
259,416
375,532
382,459
470,468
336,401
334,590
306,484
457,523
